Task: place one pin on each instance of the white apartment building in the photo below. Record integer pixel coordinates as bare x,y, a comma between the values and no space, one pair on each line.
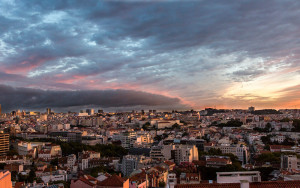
84,164
129,164
278,138
255,137
185,153
59,175
156,153
290,162
240,150
162,153
71,160
128,139
25,147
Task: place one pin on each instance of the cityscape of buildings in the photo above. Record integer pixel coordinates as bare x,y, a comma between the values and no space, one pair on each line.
149,94
142,149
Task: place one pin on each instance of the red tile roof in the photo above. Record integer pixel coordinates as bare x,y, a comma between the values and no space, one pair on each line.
85,181
169,163
279,147
199,163
19,184
217,160
266,184
113,181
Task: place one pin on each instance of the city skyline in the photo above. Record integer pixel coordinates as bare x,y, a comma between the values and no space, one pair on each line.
149,55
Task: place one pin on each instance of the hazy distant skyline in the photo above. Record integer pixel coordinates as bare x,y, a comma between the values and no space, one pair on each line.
162,54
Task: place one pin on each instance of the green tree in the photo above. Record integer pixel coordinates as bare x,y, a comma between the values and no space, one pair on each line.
146,126
283,129
266,139
94,171
31,176
285,120
162,184
264,172
54,162
14,175
208,173
268,127
175,126
231,123
269,157
12,152
214,151
185,134
2,165
296,124
233,157
158,138
288,142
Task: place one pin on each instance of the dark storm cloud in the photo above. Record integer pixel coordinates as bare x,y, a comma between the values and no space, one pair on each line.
12,98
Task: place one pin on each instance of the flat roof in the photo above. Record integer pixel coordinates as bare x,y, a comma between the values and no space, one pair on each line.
239,172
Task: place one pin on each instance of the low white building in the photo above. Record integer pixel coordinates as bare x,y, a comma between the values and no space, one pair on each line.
25,147
171,180
44,154
240,150
237,177
53,178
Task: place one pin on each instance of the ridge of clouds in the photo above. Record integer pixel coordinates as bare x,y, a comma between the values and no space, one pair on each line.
12,98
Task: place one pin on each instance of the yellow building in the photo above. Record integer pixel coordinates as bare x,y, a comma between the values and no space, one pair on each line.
4,143
5,179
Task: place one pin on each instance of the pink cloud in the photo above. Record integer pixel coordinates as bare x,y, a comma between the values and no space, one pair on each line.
27,65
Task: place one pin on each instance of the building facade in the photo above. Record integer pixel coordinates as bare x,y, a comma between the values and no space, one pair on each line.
4,143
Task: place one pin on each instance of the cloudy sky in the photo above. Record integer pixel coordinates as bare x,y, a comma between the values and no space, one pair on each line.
149,54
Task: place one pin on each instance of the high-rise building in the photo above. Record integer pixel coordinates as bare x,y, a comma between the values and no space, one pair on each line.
4,143
127,139
184,153
251,109
129,164
48,111
5,179
13,113
90,111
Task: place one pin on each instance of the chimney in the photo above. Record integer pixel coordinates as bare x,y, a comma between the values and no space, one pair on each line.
245,184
